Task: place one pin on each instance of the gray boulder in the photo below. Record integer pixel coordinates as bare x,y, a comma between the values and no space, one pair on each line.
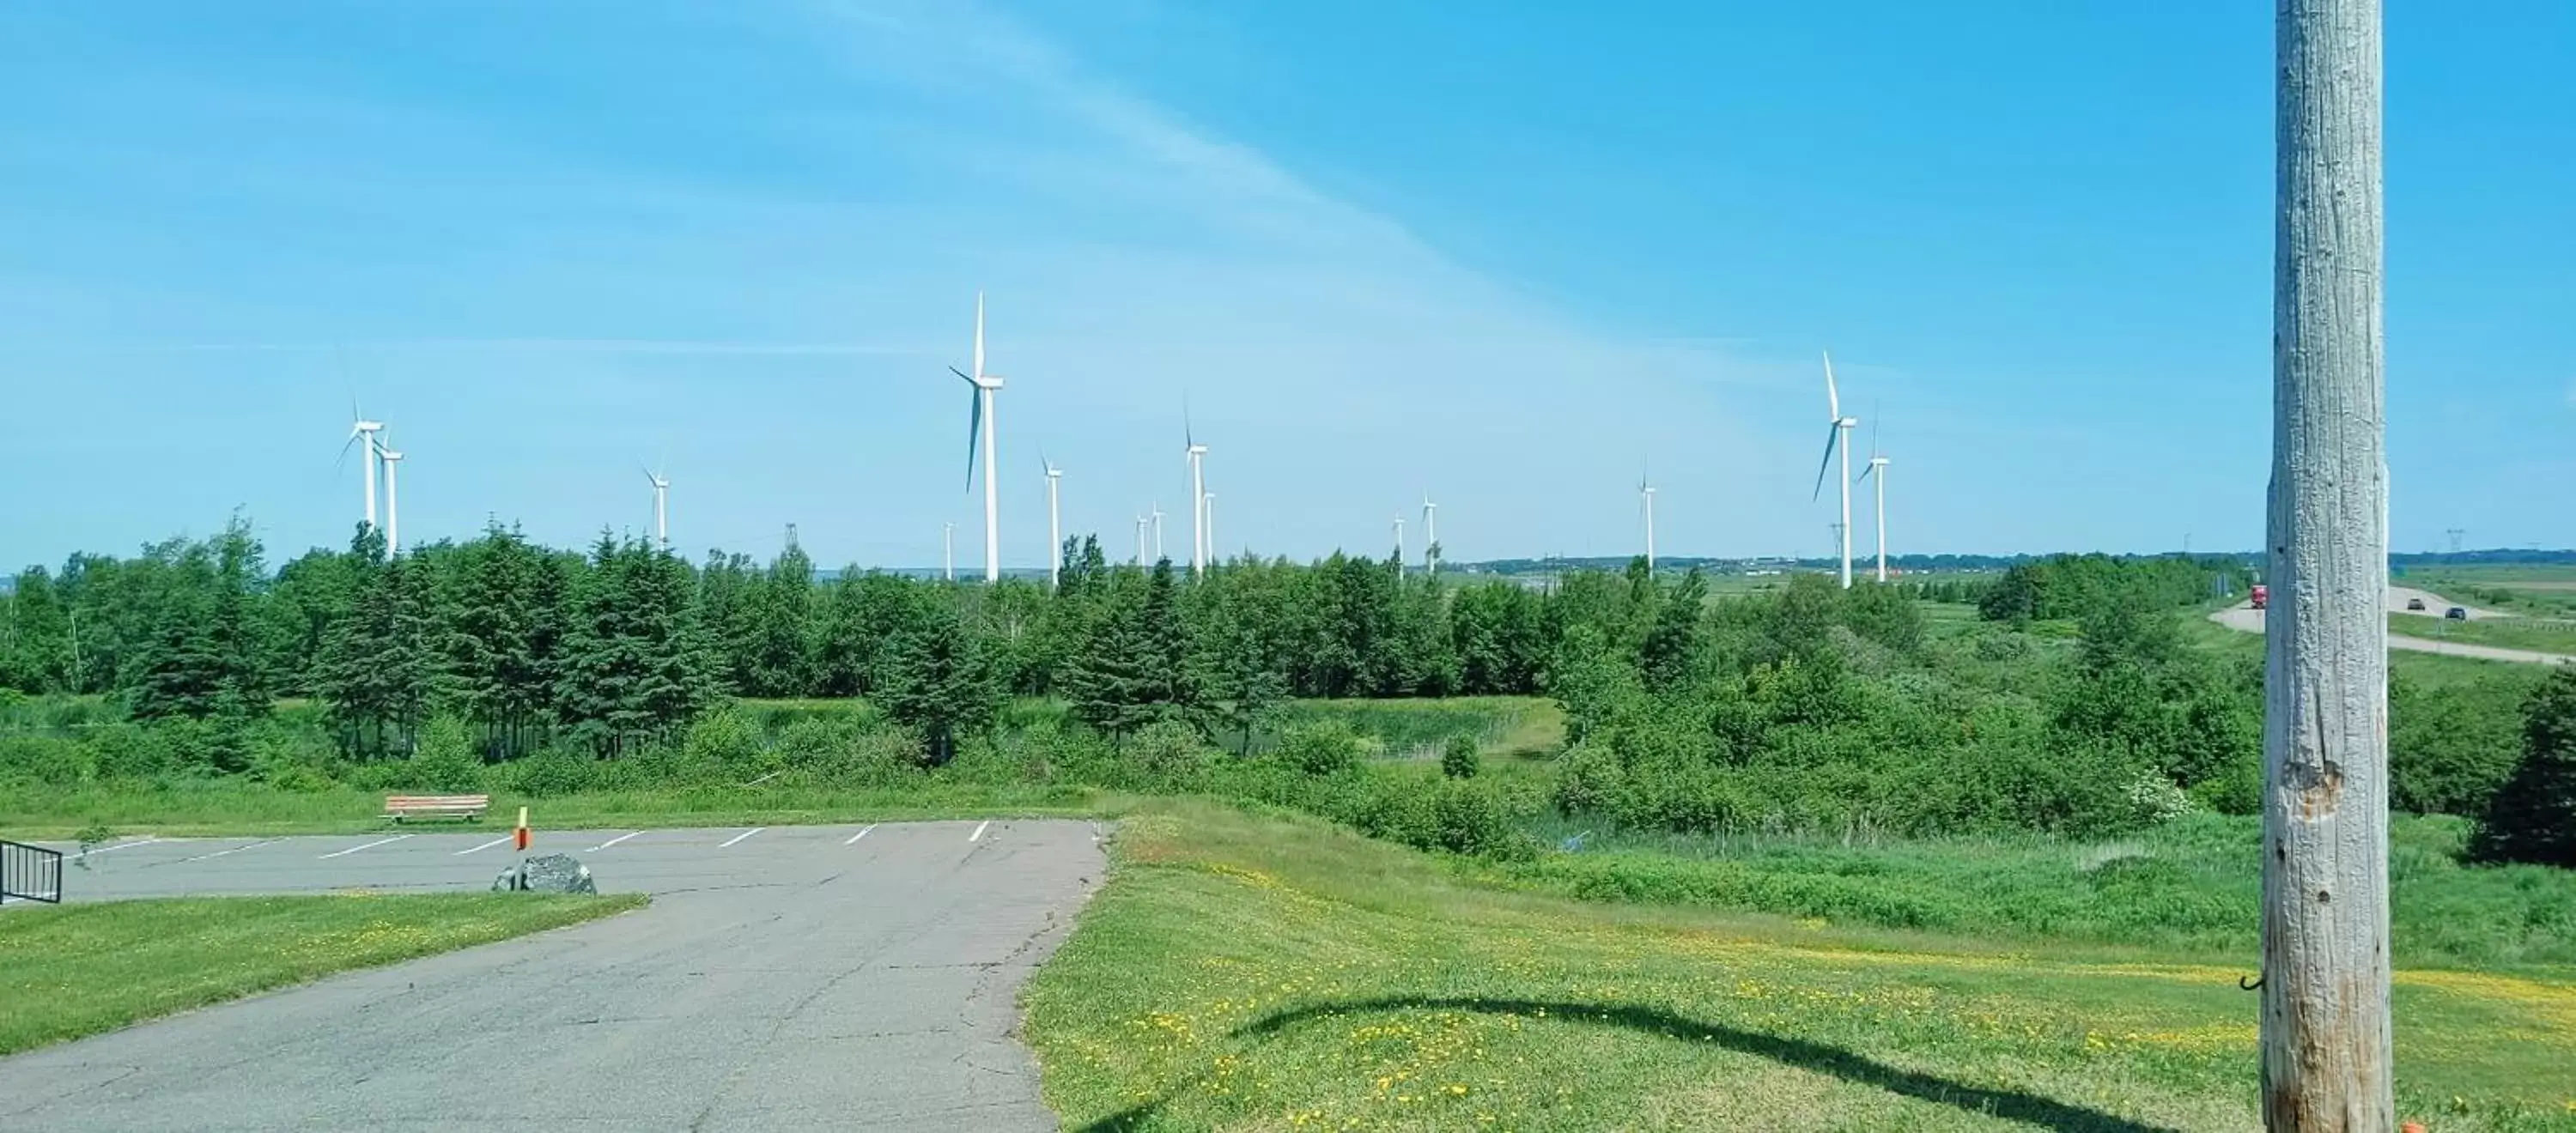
548,873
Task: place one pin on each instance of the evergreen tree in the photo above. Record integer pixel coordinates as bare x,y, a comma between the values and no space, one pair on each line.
379,671
2532,818
1106,683
941,683
637,663
499,641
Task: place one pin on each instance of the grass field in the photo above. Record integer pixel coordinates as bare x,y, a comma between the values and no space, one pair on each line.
77,970
2188,888
1242,972
2533,634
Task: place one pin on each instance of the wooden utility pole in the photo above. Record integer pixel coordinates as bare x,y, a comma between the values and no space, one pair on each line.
2325,713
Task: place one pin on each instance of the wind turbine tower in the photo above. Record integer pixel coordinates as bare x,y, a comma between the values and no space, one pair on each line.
393,514
362,429
948,551
1646,495
661,511
1198,495
1157,514
1837,440
1878,468
979,434
1430,535
1055,533
1140,542
1207,503
1399,545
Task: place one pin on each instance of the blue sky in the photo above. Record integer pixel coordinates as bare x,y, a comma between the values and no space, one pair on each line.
1510,255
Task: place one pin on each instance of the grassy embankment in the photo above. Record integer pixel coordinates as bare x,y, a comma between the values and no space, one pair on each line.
82,969
1255,972
1514,728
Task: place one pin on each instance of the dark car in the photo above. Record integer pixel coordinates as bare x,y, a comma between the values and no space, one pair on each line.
2457,613
2414,603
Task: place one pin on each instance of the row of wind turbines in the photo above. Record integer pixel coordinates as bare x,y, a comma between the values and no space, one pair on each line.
981,443
1837,443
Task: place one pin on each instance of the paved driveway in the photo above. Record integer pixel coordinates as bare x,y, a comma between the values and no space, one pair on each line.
845,977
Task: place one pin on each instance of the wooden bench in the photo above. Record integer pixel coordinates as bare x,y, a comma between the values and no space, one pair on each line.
467,807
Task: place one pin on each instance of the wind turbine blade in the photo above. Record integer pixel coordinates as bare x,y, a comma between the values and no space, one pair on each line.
344,451
1864,472
979,334
1833,434
974,434
1873,430
961,375
1833,397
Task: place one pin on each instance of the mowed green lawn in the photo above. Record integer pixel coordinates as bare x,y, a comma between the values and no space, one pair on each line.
1244,972
73,970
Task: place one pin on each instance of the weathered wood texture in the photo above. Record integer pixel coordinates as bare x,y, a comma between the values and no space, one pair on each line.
2325,1021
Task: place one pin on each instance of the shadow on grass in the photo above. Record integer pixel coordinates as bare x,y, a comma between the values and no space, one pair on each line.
2011,1105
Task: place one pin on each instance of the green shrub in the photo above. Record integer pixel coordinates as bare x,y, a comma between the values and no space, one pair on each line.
554,773
46,760
727,745
1167,756
1326,747
1460,759
1469,818
444,759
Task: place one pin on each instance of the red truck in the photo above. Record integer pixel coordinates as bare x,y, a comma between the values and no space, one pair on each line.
2261,594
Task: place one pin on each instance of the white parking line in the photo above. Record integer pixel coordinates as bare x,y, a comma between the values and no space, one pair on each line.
367,846
863,832
119,846
502,840
743,835
978,835
611,842
220,853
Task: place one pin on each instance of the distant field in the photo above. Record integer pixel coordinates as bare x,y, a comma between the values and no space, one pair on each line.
2543,591
2503,633
1241,972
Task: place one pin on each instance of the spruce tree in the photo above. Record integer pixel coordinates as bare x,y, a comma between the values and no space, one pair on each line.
2532,818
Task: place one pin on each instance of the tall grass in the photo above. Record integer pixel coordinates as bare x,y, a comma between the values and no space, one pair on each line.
2192,885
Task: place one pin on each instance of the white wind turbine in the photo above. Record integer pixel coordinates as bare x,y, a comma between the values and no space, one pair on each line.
979,434
1837,440
1198,495
1646,500
1055,534
1207,503
948,551
1140,540
362,429
393,512
1157,513
1878,467
1430,535
661,511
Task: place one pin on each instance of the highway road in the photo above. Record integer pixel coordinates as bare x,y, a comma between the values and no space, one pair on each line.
852,977
2251,621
